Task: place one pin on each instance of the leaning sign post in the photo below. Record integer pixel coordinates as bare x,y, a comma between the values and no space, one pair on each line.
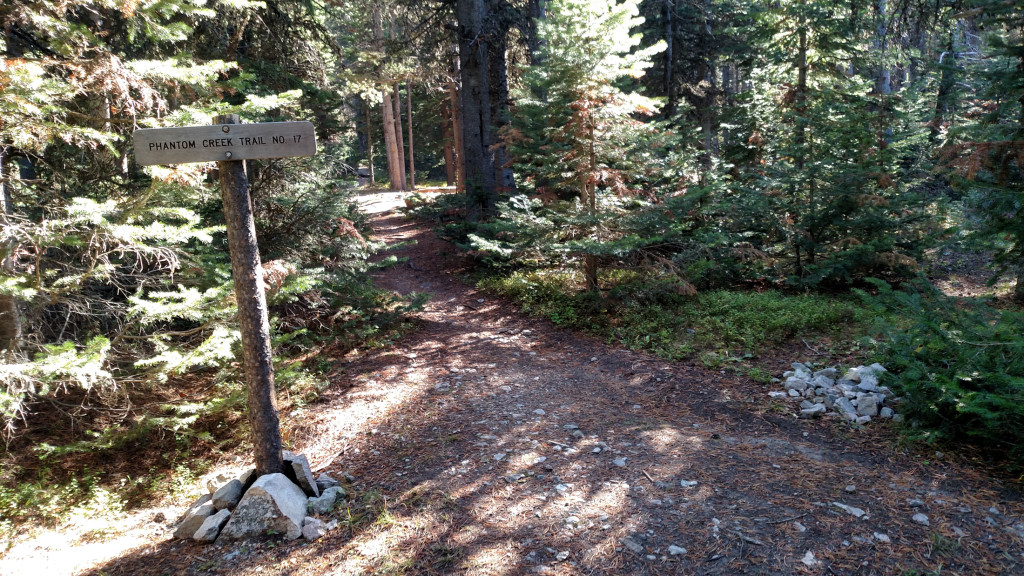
228,142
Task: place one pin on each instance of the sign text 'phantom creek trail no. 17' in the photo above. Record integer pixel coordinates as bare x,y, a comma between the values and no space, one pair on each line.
224,142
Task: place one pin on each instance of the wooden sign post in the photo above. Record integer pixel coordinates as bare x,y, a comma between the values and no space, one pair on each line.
228,142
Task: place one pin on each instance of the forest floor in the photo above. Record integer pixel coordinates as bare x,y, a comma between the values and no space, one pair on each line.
486,441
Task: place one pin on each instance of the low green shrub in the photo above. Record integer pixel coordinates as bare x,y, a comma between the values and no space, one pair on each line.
660,314
959,365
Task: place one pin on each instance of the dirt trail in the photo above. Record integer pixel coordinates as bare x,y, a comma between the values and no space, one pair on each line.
488,442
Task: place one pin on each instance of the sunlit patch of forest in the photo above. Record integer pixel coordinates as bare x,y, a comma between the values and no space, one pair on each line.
649,171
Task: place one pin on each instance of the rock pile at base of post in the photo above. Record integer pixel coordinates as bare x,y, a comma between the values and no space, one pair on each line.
245,506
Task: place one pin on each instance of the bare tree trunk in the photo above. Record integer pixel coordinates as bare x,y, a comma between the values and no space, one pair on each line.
399,139
10,320
408,117
390,146
947,81
448,117
369,144
536,13
250,296
500,112
670,88
590,267
883,75
477,138
801,124
460,151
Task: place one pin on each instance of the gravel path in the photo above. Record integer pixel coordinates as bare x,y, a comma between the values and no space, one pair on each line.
489,442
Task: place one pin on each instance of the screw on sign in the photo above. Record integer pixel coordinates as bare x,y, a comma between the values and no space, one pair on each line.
229,143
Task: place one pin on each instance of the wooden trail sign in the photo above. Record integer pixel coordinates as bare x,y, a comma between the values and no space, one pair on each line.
222,142
229,142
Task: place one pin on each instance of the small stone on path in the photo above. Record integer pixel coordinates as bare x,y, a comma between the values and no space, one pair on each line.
809,560
632,545
674,550
920,519
620,462
857,512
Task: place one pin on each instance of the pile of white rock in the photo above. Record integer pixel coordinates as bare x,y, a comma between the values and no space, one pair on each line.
247,506
856,396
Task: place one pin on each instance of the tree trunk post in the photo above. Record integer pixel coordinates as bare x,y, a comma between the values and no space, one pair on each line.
10,320
460,151
369,144
390,146
446,136
250,296
399,138
408,119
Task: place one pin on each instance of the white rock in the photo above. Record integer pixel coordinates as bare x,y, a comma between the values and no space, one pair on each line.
881,537
539,412
674,550
272,503
298,466
920,519
228,495
499,456
211,526
326,502
809,560
561,556
857,512
632,545
813,411
867,406
619,462
687,483
195,517
313,528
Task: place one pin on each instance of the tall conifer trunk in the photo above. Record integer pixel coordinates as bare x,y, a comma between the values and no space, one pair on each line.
390,145
408,118
369,143
500,108
477,138
670,32
446,137
399,138
10,321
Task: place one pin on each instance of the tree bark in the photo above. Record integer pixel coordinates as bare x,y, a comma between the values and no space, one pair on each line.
399,138
670,88
10,318
590,265
533,43
390,146
369,144
481,201
408,117
883,75
446,137
460,153
947,81
500,112
250,297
